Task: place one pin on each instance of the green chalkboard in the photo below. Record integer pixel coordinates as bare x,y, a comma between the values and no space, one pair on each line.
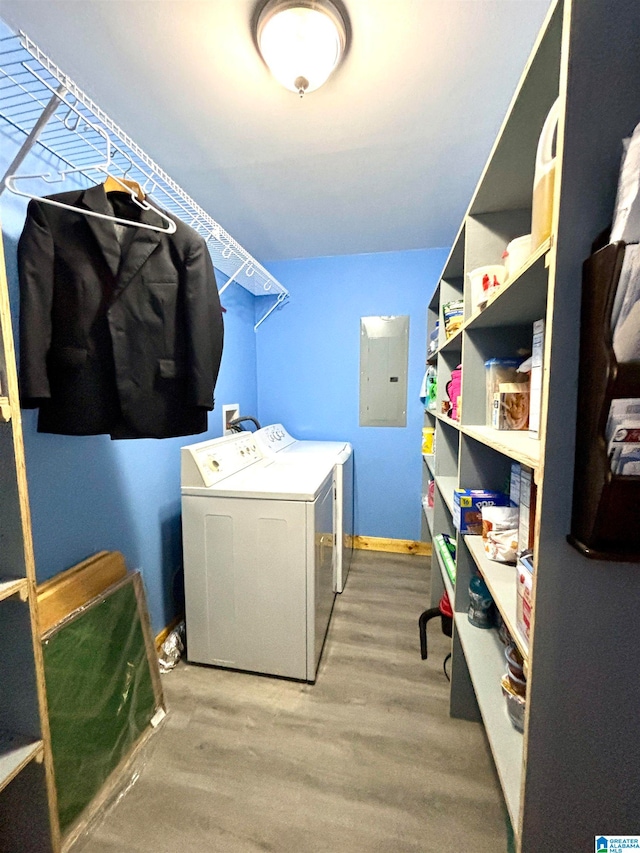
100,694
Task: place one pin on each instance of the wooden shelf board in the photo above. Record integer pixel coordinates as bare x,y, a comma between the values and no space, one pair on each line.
13,586
445,575
446,486
16,751
452,343
447,420
516,444
484,654
501,580
518,301
428,514
429,459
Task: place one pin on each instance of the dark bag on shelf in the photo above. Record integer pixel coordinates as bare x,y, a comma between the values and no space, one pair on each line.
606,506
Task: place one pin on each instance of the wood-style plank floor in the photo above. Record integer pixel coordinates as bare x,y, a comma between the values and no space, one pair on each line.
367,760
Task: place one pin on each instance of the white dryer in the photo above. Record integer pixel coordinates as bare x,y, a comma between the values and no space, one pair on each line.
258,544
275,442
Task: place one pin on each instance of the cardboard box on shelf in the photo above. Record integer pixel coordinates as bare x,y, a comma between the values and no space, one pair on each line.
514,484
511,406
453,316
524,602
526,524
467,508
535,398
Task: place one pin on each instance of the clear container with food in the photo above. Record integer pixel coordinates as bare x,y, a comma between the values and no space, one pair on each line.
499,370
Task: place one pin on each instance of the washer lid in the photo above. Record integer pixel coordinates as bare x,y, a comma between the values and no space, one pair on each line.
326,449
271,481
275,442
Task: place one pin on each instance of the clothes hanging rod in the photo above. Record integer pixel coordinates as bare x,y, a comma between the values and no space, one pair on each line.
39,100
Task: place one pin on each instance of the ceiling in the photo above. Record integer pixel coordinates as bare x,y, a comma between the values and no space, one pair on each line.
384,157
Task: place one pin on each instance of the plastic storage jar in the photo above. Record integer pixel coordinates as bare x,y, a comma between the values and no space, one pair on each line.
515,705
515,663
516,254
484,281
499,370
480,603
427,440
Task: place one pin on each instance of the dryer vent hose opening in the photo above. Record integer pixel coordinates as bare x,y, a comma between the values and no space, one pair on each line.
236,424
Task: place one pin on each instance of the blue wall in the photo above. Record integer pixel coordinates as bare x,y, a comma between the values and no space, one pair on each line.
90,493
308,371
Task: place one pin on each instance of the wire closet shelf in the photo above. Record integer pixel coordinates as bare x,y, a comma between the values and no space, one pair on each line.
44,108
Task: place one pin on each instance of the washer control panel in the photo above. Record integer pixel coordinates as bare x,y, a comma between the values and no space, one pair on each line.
273,438
207,463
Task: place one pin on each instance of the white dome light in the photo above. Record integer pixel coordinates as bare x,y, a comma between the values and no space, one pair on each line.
301,42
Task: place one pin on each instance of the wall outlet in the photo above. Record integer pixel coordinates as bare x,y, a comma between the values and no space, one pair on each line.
229,412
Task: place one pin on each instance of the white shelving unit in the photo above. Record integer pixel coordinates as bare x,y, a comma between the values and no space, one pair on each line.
429,461
13,586
500,578
446,486
516,445
446,580
15,753
484,655
28,814
573,774
428,514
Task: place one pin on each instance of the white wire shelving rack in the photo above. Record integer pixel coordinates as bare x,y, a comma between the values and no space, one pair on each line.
47,112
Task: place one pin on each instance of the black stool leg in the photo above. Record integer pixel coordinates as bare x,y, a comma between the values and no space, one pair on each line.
444,665
422,627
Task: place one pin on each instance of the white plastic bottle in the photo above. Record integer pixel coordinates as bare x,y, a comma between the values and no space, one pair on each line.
544,180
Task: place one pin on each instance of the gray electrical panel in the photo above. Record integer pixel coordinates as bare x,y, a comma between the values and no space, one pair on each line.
384,356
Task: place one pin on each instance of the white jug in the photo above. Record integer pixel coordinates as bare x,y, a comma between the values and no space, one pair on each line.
543,181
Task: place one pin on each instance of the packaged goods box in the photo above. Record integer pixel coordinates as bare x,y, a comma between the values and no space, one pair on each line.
526,525
511,406
535,396
467,508
524,602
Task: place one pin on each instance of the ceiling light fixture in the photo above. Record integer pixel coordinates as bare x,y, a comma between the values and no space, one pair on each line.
301,41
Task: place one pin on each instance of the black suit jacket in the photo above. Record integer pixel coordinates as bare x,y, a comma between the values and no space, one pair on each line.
120,340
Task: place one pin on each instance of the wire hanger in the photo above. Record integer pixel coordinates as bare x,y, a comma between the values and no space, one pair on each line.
112,183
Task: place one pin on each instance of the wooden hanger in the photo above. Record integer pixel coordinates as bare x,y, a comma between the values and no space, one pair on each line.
119,185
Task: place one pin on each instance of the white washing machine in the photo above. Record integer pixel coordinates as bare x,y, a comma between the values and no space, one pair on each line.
258,544
276,442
